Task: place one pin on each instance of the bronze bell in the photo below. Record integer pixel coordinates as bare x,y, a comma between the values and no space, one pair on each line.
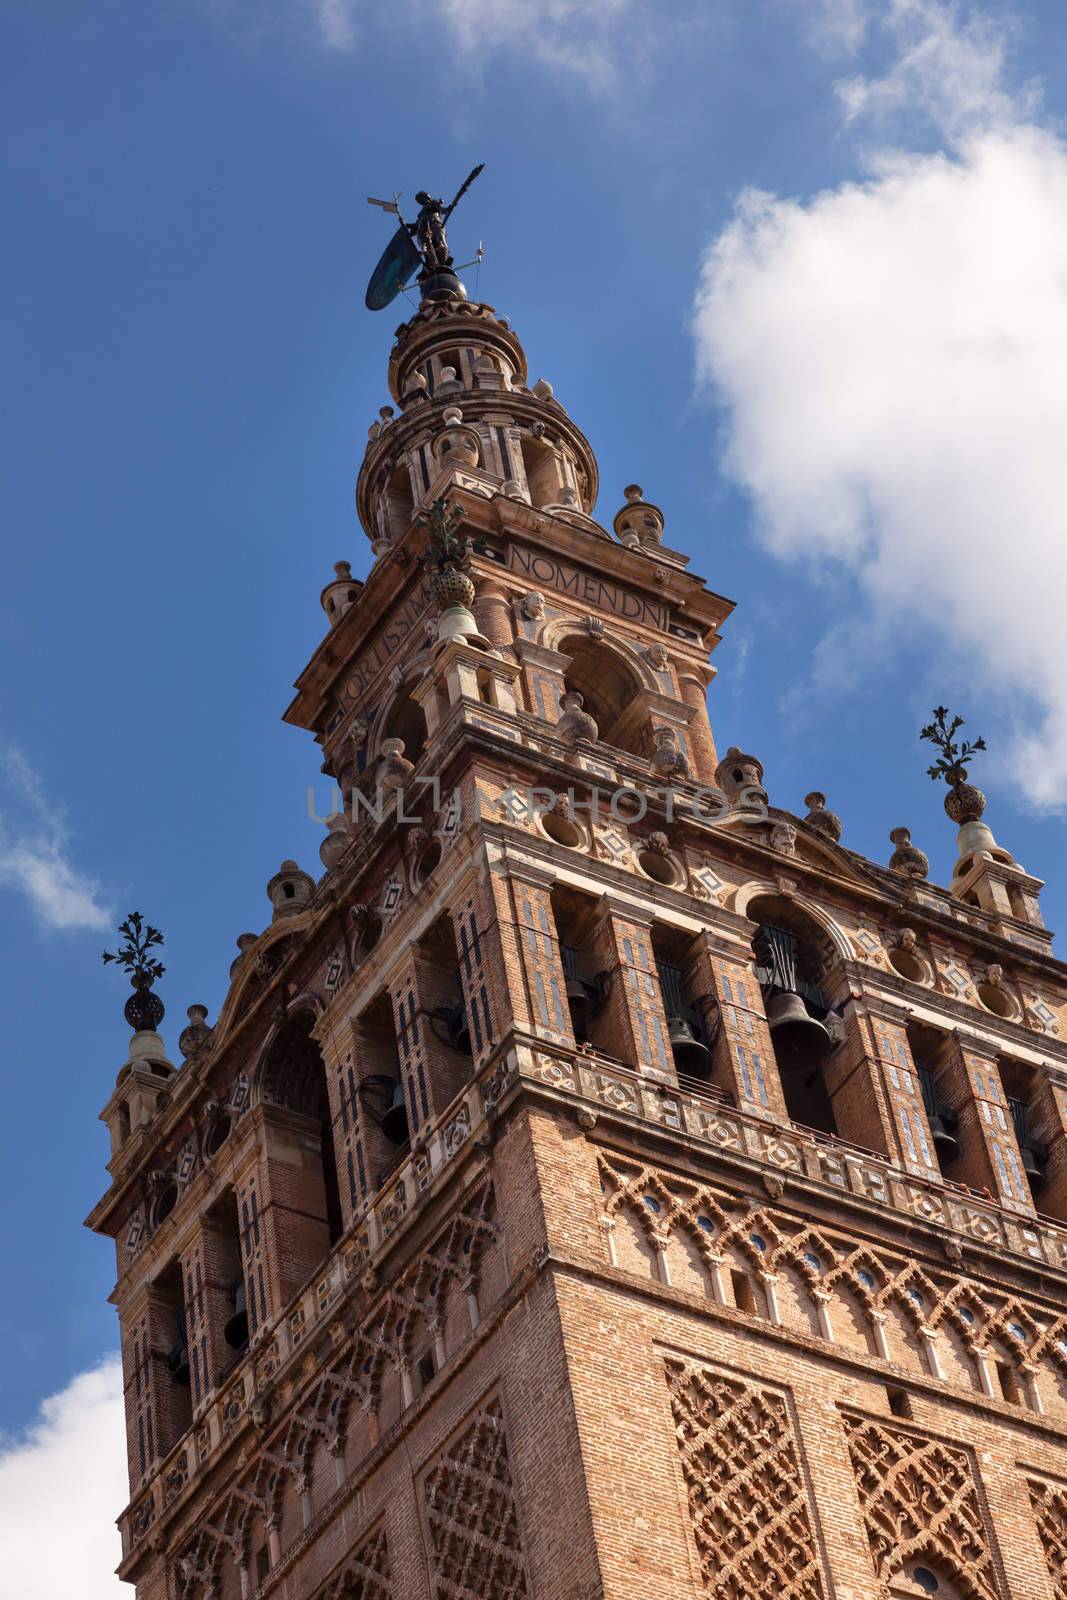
395,1120
236,1330
945,1142
578,1004
690,1055
178,1362
459,1033
1035,1171
793,1025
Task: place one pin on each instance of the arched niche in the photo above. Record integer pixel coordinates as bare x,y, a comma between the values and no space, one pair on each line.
611,689
292,1077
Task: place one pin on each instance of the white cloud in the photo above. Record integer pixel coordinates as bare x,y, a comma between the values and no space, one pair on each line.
336,22
947,63
582,37
33,858
62,1484
890,355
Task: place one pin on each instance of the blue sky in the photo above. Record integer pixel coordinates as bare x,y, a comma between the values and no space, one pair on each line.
796,266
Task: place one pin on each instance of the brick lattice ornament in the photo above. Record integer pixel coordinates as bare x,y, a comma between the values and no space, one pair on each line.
474,1529
366,1576
746,1491
918,1498
1049,1501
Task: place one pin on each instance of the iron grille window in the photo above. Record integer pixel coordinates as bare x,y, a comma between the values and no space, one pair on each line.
670,983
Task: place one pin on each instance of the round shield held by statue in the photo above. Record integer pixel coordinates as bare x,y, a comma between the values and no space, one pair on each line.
400,259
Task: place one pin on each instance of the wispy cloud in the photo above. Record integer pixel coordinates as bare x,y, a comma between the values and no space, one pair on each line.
336,21
62,1483
889,357
34,842
947,64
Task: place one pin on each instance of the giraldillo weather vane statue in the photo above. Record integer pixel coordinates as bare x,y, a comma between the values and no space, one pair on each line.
420,246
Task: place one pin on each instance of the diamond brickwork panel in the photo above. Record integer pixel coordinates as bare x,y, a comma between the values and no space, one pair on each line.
470,1506
918,1498
747,1498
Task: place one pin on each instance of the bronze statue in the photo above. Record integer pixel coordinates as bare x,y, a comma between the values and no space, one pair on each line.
422,244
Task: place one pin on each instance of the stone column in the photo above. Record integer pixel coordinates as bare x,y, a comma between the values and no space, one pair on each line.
354,1136
210,1266
431,1071
281,1207
543,672
701,739
530,955
492,610
633,1023
743,1052
903,1111
855,1078
989,1154
158,1409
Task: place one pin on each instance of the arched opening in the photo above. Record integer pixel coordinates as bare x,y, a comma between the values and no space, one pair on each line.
1022,1085
385,1128
587,983
791,957
920,1578
397,503
692,1021
294,1078
928,1051
406,720
541,469
610,693
175,1416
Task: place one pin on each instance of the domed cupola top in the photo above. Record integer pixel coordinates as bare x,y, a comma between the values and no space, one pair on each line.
459,380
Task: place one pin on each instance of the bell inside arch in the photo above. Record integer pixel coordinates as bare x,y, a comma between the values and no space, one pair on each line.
395,1120
691,1055
236,1330
793,1026
178,1359
941,1132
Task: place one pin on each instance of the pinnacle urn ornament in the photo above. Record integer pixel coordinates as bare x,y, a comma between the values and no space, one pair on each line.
143,1010
964,801
907,858
575,722
196,1032
820,818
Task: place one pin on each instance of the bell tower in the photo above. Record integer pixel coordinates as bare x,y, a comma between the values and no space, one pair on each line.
598,1180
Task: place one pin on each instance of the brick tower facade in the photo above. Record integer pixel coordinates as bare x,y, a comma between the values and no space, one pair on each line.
598,1182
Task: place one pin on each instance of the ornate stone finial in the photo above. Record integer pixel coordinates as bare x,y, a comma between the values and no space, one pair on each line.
576,724
668,759
964,802
639,522
143,1010
542,389
446,556
907,858
290,890
456,443
341,593
740,777
337,842
818,817
196,1034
